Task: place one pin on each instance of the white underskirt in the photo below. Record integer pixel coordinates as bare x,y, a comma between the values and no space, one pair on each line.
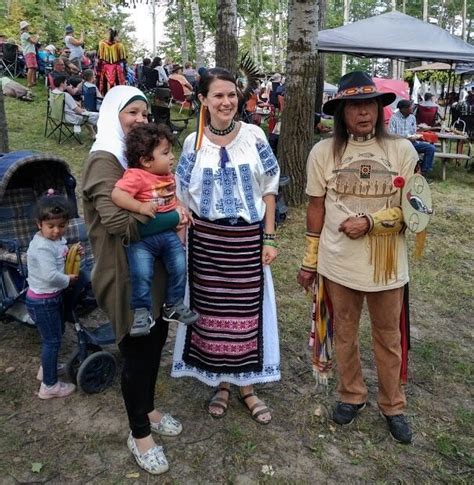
271,349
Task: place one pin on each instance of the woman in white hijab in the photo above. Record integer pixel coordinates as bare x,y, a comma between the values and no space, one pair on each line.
110,229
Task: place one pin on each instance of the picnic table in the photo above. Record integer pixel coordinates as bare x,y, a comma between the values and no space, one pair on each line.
450,150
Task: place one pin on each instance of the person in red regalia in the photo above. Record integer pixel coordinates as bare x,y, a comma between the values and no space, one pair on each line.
112,63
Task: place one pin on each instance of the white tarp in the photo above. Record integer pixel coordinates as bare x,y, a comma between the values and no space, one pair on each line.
395,35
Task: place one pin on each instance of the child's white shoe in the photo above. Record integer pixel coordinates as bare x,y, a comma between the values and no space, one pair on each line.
60,389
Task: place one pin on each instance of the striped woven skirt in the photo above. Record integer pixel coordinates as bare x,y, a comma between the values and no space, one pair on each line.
226,289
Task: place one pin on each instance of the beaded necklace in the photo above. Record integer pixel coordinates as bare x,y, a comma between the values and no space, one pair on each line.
223,132
362,138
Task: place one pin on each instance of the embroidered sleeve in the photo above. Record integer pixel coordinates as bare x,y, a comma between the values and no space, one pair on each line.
184,169
271,171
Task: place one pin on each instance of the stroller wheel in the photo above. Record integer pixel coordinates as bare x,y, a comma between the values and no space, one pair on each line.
97,372
72,366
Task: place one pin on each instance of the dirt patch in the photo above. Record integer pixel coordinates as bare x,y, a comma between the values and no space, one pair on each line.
82,439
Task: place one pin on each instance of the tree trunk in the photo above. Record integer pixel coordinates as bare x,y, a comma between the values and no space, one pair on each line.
274,41
226,36
347,11
253,45
200,60
320,70
297,127
182,31
281,48
3,126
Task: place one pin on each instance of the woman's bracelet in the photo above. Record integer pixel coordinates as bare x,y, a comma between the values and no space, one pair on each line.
269,236
271,243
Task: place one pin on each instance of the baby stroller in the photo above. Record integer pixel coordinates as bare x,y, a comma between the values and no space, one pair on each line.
24,176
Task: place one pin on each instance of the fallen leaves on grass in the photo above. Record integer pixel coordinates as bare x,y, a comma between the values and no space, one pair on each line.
132,475
36,467
268,470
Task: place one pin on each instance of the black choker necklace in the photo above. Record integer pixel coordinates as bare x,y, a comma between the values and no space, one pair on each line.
224,132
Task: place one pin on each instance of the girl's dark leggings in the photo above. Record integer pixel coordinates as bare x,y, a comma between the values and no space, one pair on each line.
142,357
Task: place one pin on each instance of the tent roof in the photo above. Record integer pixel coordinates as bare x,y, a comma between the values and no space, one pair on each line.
329,88
395,35
434,66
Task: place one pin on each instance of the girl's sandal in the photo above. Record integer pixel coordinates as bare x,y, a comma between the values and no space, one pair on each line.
253,409
219,403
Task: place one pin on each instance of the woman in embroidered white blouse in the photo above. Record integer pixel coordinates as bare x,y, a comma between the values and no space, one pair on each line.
227,176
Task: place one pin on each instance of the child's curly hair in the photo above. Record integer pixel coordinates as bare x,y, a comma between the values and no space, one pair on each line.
143,139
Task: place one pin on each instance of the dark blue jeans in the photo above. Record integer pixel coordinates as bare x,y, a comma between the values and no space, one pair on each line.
141,260
429,150
47,313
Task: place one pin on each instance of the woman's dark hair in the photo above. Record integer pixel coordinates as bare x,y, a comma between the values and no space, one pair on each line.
156,62
143,139
341,135
112,34
210,76
146,61
52,206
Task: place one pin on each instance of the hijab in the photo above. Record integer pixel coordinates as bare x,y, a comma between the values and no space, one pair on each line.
110,135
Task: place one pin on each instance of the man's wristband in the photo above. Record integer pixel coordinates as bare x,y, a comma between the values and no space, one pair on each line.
310,259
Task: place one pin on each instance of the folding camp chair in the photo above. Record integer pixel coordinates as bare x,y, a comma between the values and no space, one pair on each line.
177,94
9,60
89,98
55,119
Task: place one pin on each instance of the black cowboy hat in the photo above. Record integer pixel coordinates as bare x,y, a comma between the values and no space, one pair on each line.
356,85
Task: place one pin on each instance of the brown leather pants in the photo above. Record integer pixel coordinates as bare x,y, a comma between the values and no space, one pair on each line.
384,310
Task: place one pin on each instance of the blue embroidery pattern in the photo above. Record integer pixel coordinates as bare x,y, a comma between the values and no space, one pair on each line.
269,162
228,192
246,179
206,196
237,203
219,175
184,168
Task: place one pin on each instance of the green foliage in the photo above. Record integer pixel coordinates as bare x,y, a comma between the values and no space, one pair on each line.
49,17
171,47
257,14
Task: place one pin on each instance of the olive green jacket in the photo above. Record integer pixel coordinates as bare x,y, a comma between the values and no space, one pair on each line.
110,229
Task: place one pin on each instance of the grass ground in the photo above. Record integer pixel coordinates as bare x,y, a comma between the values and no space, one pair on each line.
82,439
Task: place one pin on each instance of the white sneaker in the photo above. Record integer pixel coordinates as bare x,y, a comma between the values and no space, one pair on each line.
60,389
153,461
168,426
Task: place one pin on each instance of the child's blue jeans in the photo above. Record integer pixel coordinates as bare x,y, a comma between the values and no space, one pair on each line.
47,313
141,260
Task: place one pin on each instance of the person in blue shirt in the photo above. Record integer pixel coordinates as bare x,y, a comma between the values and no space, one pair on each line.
403,123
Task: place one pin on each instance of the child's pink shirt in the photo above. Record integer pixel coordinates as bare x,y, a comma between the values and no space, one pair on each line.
148,187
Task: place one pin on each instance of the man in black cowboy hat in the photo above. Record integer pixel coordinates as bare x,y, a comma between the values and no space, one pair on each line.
356,244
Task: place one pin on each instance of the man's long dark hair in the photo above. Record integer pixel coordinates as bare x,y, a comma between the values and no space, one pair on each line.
341,135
